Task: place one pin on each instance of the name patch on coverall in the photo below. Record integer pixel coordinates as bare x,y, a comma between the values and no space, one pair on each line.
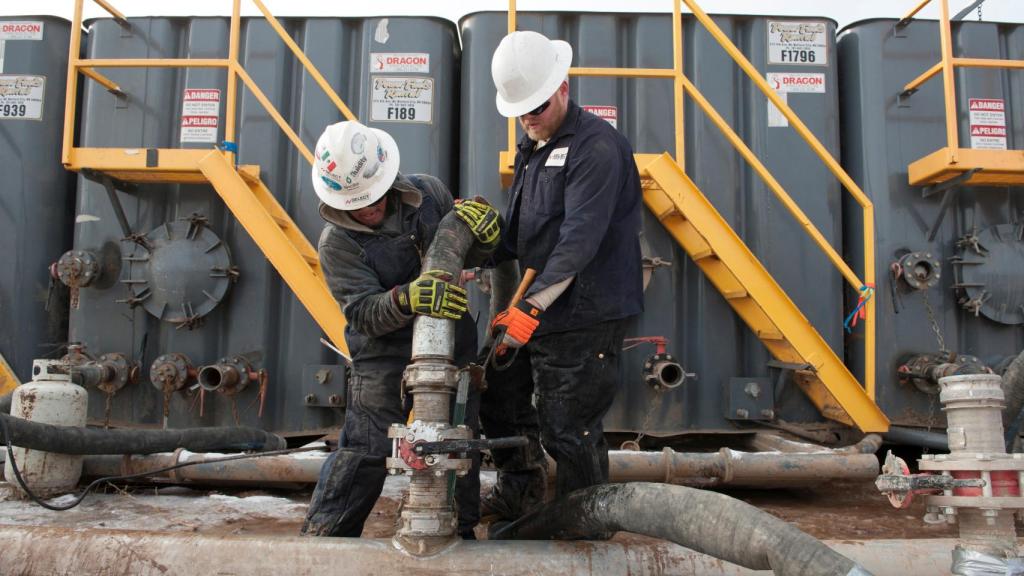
557,157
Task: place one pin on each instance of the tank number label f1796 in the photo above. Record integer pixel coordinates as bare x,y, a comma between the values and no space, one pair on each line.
800,42
798,56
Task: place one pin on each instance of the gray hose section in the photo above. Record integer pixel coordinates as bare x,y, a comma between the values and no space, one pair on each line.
707,522
915,437
1013,389
5,403
447,251
504,279
75,440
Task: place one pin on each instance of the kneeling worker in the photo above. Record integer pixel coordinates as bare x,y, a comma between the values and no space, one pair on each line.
379,224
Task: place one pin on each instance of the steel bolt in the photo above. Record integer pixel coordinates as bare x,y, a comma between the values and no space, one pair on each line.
438,473
949,510
742,413
410,437
768,413
334,399
311,399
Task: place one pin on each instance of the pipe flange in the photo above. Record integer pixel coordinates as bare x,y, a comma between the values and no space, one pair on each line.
229,375
119,371
920,270
174,369
78,268
430,377
662,372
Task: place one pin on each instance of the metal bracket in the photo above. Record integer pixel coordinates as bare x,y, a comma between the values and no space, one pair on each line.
112,186
950,188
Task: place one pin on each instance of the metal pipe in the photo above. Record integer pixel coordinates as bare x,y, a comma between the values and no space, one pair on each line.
102,552
428,522
723,468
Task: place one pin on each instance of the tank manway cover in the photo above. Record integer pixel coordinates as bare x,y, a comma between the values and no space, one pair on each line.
179,271
990,273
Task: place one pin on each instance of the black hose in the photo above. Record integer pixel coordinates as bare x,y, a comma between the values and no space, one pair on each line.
5,403
915,437
707,522
1013,390
75,440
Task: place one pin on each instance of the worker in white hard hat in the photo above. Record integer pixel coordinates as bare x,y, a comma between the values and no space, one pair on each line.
574,217
379,222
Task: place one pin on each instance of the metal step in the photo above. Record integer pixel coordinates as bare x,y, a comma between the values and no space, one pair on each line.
287,249
752,292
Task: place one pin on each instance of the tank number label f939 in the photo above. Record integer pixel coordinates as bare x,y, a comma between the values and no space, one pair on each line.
401,99
21,97
802,42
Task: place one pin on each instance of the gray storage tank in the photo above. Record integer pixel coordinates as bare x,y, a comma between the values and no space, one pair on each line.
680,304
969,247
258,323
36,194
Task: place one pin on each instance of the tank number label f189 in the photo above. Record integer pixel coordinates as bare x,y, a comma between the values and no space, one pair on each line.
401,99
21,97
802,42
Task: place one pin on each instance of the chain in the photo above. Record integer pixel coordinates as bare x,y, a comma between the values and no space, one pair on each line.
934,323
647,418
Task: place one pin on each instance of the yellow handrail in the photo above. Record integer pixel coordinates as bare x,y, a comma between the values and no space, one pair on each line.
946,66
235,72
682,85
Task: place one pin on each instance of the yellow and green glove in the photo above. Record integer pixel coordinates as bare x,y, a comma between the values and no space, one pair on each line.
433,294
483,221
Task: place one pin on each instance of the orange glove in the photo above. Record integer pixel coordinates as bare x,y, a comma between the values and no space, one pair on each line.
516,325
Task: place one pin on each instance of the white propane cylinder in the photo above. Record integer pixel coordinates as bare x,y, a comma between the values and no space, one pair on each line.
50,398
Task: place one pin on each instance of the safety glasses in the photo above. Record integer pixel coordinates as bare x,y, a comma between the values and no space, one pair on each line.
539,109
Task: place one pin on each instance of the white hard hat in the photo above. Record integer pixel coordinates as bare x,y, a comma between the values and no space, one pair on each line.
354,165
527,69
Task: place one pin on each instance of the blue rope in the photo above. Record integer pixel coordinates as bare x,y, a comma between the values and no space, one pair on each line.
866,294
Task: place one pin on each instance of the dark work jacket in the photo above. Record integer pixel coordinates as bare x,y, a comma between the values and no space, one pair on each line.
574,210
362,265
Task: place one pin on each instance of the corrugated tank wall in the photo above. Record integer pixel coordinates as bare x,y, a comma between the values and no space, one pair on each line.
258,316
882,135
36,193
706,336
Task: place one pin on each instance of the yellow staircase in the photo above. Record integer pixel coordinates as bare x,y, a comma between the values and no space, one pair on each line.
248,199
755,296
245,195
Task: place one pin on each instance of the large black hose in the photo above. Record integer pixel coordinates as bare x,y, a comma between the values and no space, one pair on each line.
707,522
5,403
75,440
1013,389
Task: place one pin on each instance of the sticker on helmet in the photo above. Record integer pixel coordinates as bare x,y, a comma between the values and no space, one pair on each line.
358,143
331,183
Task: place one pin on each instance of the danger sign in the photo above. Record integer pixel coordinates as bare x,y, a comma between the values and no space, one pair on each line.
797,82
384,62
988,123
21,30
608,113
200,115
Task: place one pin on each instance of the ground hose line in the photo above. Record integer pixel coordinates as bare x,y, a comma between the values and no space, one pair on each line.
707,522
78,499
77,440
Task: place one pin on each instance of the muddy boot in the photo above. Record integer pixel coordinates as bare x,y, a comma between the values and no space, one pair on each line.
515,494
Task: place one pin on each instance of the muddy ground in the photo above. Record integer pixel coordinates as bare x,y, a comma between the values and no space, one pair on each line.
841,511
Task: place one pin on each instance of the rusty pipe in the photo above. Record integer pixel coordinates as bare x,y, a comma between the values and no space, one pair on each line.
147,553
227,375
734,468
723,468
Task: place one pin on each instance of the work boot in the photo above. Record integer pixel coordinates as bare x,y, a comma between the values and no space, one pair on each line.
515,494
